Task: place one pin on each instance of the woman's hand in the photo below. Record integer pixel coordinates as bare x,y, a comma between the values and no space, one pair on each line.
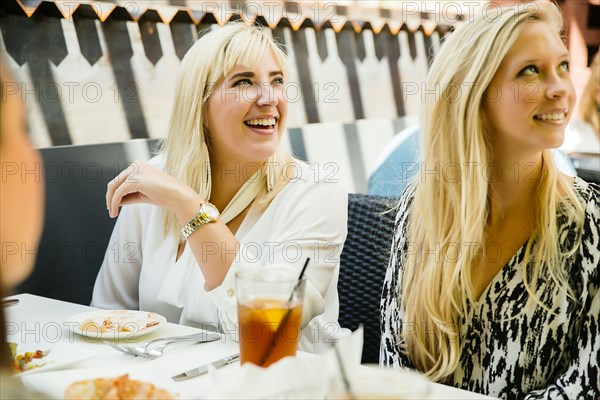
142,183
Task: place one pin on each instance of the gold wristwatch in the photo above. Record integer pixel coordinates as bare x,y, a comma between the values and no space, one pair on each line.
205,215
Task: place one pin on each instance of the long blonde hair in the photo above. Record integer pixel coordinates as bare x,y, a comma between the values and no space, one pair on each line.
435,287
202,69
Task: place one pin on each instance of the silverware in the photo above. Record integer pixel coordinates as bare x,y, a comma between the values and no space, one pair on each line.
9,302
120,348
192,373
145,347
157,351
144,350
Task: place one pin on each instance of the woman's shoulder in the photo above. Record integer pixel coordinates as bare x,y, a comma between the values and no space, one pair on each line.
308,190
589,194
300,171
304,177
402,209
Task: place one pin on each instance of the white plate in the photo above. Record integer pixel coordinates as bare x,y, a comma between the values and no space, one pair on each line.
53,384
117,324
60,355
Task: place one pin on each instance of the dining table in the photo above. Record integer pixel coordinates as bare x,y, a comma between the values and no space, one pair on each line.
43,323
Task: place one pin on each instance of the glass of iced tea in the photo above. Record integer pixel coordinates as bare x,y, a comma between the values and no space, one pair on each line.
269,304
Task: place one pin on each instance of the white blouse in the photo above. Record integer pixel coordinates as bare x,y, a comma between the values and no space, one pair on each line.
308,218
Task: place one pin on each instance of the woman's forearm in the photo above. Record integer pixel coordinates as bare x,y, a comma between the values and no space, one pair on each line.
213,244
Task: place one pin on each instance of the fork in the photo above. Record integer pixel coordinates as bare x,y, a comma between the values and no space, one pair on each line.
156,352
142,349
201,337
122,349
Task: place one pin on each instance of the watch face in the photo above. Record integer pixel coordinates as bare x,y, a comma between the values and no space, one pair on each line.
211,211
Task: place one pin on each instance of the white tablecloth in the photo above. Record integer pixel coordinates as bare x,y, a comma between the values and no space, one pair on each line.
38,321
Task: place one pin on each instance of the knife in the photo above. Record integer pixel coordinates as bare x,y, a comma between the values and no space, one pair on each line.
192,373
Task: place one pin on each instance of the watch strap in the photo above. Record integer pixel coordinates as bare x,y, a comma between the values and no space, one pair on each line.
200,219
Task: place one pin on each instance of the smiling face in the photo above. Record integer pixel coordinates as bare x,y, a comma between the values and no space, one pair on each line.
531,96
247,113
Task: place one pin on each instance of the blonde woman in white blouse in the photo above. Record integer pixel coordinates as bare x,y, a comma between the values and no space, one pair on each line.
222,156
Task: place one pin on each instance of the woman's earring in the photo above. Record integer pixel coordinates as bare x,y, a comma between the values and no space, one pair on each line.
271,173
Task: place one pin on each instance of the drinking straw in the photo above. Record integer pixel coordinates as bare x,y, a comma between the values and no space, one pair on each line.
285,318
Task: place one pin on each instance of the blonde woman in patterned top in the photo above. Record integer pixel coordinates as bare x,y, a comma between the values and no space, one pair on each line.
493,280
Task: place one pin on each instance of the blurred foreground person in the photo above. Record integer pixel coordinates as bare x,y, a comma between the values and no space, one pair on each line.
21,213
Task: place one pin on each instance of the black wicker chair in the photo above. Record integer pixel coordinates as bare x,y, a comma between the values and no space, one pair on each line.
77,228
363,265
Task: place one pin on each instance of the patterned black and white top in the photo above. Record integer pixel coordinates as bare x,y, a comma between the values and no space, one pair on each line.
535,355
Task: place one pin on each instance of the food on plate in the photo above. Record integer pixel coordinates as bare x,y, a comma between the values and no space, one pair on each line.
120,388
26,361
119,321
115,324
